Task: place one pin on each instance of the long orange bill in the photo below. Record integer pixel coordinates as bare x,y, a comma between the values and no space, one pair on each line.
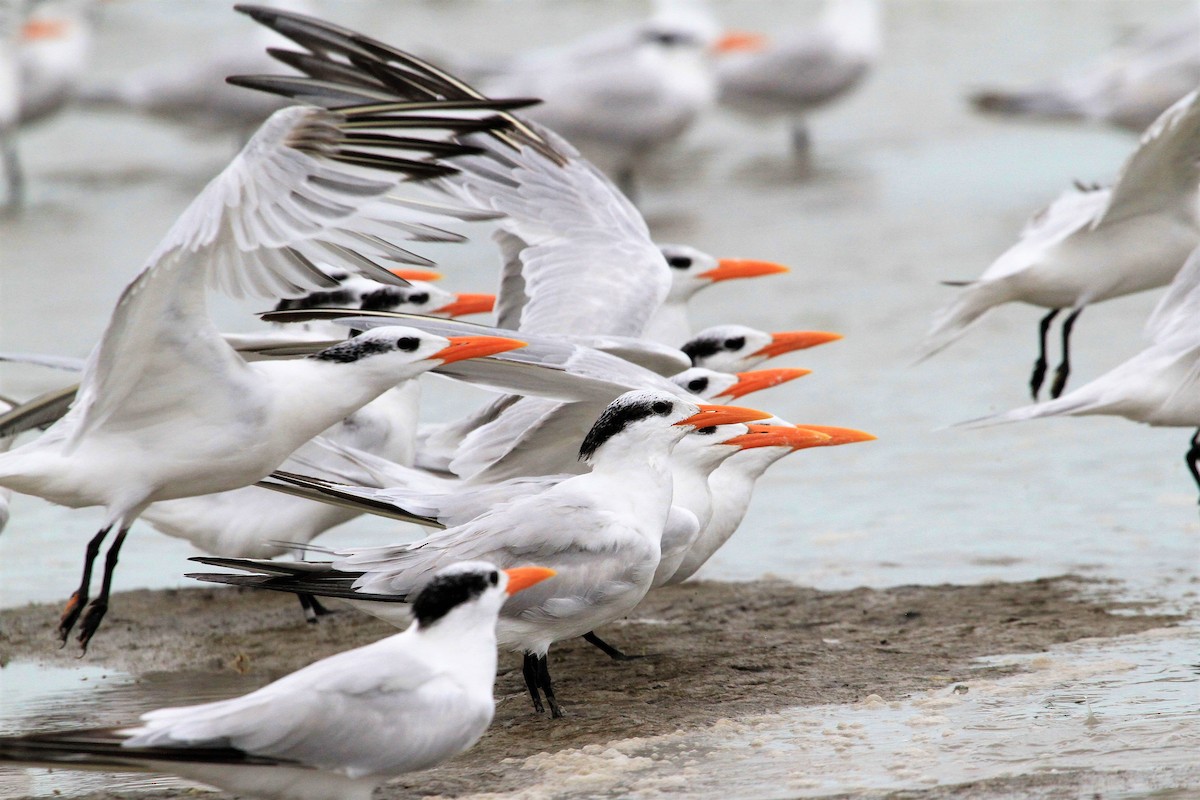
745,41
468,304
840,435
779,436
722,415
788,341
760,379
36,29
523,577
462,347
417,274
728,269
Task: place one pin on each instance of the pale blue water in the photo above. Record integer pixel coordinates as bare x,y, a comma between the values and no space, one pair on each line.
910,188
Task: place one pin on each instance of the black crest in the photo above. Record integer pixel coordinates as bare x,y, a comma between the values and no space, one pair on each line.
616,418
353,349
699,349
334,298
446,592
391,297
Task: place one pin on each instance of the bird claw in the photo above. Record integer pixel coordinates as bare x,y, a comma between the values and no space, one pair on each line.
70,616
91,622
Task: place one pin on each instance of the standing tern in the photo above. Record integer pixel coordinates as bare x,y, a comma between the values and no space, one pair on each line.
1094,244
600,531
732,483
338,728
1159,386
166,408
788,75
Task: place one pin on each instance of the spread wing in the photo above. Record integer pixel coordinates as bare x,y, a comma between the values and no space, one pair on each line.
312,186
587,265
1178,312
1164,168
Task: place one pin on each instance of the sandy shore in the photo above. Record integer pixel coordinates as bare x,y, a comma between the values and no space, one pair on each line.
712,651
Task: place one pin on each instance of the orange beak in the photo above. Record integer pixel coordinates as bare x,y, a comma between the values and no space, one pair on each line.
36,29
463,347
523,577
416,274
744,41
728,269
468,304
788,341
722,415
780,436
761,379
840,435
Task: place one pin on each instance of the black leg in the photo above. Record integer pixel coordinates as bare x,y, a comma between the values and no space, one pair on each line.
1193,456
99,607
79,599
1039,366
1064,369
543,673
312,607
616,655
529,669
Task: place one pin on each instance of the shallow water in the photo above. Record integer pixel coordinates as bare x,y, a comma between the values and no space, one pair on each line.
909,188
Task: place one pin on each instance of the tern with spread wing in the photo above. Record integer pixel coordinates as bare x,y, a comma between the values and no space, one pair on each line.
338,728
166,408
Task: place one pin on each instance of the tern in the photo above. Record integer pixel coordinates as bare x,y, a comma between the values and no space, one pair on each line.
167,408
789,75
338,728
1093,244
600,531
1128,87
43,55
1159,386
732,483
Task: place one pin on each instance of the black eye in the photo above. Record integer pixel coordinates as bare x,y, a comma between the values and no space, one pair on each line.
408,343
711,429
697,385
679,262
419,298
736,343
661,407
667,39
493,577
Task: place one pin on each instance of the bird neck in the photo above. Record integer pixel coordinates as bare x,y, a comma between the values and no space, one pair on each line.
466,637
311,394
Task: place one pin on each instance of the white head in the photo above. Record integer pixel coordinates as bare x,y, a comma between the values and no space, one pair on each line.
407,352
734,348
708,384
693,270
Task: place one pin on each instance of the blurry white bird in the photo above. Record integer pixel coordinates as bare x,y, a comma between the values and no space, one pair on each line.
790,74
1160,386
336,729
166,408
736,348
44,48
1128,87
620,93
193,91
1091,245
599,531
732,484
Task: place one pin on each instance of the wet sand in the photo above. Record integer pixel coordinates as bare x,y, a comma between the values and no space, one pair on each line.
713,651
